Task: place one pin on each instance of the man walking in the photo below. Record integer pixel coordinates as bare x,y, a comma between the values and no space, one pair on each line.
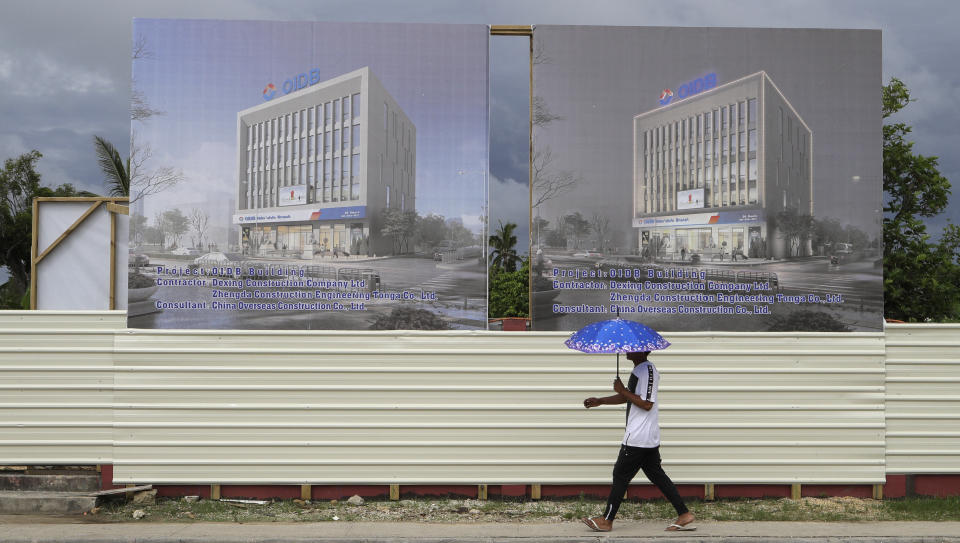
640,449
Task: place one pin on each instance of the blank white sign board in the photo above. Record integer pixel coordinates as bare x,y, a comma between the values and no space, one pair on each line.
76,273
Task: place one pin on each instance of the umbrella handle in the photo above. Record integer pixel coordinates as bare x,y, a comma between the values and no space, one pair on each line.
618,365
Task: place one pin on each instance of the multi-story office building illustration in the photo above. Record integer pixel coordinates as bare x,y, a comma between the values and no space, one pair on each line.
713,170
318,166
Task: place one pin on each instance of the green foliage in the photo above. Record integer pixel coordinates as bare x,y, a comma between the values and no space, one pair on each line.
139,280
116,172
409,318
795,227
503,247
509,291
921,279
176,224
805,320
19,185
399,225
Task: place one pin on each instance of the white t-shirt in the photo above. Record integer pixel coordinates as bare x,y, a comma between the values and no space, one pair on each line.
643,427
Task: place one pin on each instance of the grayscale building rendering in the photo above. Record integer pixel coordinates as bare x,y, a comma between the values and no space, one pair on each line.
318,166
713,170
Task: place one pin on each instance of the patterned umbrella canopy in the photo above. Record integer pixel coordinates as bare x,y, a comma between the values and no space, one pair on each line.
616,336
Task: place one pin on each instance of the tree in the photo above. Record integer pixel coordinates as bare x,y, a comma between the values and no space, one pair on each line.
795,228
138,228
199,222
503,246
600,224
431,229
176,223
547,184
115,171
920,278
399,225
509,294
578,225
121,176
160,229
19,185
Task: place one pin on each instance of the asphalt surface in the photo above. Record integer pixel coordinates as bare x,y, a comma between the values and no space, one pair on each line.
71,529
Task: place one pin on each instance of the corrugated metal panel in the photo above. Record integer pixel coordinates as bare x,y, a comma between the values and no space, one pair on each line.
56,386
469,407
923,398
429,407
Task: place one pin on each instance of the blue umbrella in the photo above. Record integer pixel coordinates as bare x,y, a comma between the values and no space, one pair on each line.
616,336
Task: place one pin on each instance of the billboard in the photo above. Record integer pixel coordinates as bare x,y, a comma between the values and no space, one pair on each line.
299,175
690,199
292,195
754,165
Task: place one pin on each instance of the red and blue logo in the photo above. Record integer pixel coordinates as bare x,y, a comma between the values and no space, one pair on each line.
686,90
269,91
666,96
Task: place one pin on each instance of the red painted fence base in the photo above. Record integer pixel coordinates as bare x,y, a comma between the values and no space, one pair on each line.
897,486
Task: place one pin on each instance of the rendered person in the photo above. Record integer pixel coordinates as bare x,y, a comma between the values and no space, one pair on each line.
640,449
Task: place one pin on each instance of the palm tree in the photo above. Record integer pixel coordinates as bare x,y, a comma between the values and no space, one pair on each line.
115,170
503,244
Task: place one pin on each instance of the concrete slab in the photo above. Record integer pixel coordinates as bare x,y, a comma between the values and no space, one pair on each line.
33,502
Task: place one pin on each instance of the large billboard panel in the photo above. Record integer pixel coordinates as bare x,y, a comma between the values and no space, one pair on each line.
301,175
707,178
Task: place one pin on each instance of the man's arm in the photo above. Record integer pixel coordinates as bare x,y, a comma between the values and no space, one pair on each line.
630,396
606,400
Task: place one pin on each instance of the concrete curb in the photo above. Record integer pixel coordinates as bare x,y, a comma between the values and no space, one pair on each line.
73,530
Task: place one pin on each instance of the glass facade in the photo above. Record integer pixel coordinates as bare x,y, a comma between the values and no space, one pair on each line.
714,149
313,146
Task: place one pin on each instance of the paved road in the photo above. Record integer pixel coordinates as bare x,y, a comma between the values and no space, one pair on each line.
32,529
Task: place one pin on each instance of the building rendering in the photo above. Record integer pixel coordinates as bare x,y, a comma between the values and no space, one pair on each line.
713,169
318,167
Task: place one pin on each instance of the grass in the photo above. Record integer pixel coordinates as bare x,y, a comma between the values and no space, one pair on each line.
466,510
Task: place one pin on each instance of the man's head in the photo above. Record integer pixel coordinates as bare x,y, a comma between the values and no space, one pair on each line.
638,357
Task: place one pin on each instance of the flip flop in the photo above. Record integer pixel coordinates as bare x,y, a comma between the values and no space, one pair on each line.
592,524
680,528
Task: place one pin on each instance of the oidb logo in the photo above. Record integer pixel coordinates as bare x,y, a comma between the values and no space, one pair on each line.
665,97
269,91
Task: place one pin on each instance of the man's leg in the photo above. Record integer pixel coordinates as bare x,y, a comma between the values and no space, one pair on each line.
627,466
654,472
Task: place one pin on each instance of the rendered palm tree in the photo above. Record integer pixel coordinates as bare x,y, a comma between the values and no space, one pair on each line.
116,172
503,244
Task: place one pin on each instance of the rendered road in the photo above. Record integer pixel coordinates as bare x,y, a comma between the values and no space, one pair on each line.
460,298
859,283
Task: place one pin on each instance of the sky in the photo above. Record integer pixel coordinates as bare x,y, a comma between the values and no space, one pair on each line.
65,66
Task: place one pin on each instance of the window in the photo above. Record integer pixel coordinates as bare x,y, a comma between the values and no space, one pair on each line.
336,109
752,111
388,195
355,105
326,114
355,135
346,108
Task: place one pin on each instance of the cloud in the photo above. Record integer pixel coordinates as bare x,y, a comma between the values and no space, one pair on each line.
510,202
